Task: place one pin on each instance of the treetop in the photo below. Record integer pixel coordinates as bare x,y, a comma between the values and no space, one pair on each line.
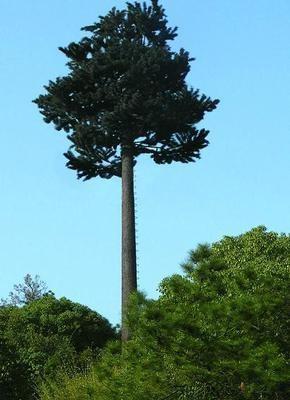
126,89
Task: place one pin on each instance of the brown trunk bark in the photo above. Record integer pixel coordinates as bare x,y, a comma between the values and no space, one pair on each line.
129,273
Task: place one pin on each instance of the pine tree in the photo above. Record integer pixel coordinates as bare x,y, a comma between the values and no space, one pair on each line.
126,95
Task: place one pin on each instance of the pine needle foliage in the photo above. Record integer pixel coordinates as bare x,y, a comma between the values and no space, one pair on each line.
126,88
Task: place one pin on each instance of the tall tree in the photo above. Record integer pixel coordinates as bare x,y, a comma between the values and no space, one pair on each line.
126,95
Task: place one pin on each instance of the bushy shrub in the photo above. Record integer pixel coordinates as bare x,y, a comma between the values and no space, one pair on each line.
47,334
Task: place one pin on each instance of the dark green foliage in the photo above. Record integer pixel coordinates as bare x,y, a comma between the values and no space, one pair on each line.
126,87
221,331
47,335
15,382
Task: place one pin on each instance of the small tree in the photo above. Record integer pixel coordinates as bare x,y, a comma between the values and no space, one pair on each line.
126,95
23,293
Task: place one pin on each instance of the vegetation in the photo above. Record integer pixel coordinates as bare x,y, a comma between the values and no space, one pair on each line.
126,95
23,293
15,382
44,336
219,331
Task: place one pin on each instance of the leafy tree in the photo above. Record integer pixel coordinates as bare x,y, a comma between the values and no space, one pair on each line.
48,334
219,331
126,95
32,289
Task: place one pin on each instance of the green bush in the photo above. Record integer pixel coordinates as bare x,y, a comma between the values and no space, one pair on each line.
46,335
81,386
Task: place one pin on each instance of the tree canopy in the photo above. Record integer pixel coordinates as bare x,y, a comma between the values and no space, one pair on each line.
126,88
44,336
218,331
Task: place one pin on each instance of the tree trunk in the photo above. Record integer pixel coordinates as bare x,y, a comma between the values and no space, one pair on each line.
129,272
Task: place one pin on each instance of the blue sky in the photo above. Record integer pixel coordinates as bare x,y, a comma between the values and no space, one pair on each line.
68,231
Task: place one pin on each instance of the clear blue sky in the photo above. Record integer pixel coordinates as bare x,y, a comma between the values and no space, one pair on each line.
68,231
